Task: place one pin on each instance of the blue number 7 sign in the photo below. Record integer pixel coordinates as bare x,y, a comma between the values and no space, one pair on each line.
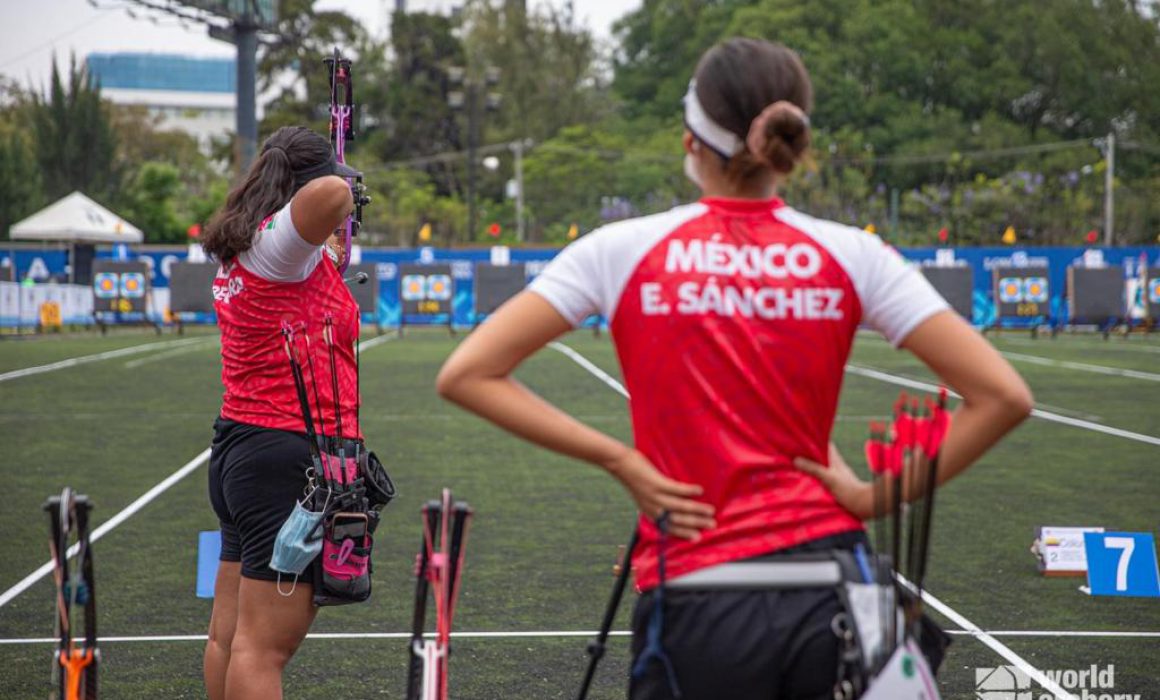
1122,563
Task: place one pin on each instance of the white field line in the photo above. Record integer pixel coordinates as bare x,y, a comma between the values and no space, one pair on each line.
1052,362
1038,413
986,638
1059,633
593,369
192,347
1081,366
109,524
1137,346
85,359
547,634
374,342
935,603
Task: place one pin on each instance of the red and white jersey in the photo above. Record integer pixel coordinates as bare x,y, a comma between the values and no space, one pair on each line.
733,320
251,309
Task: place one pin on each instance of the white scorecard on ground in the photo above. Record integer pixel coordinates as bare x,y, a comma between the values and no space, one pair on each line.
1060,550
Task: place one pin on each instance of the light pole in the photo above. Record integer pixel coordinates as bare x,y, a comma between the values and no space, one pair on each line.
238,23
1109,189
474,98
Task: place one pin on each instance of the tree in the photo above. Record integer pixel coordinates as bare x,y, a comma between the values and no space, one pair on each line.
172,183
293,63
75,143
549,68
416,118
150,202
20,185
898,79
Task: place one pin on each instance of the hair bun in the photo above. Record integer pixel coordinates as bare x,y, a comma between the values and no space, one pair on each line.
779,135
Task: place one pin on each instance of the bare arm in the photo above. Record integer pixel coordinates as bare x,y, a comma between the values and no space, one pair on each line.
995,400
477,377
995,397
320,207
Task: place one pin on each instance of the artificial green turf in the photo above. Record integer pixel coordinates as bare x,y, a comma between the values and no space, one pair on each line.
547,528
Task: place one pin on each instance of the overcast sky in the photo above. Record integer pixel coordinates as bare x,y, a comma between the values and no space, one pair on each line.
32,31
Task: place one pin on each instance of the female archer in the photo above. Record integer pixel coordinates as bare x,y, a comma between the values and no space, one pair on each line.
279,272
733,318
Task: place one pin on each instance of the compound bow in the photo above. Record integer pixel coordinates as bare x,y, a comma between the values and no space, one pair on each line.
74,667
341,131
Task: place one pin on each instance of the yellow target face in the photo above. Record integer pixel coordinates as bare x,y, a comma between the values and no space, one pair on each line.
439,287
414,287
132,284
105,285
1010,290
1037,289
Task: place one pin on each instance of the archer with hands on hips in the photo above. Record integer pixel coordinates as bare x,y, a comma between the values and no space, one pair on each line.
733,319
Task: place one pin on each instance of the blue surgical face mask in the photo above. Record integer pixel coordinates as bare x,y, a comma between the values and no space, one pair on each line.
298,542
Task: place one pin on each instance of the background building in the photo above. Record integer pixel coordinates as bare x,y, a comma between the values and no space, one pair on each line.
194,95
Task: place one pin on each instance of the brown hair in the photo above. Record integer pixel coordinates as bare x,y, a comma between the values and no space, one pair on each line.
266,188
738,80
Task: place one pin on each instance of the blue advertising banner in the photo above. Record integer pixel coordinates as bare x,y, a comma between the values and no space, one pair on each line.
46,265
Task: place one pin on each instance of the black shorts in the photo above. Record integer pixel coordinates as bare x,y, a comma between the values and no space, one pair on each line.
742,645
256,475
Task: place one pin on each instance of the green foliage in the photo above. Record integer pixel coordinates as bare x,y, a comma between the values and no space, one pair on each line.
305,37
75,142
417,119
405,199
585,175
172,184
71,140
548,68
895,77
972,115
20,186
150,202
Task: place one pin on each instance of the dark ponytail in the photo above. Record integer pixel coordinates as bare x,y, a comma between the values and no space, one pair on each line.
780,136
761,92
267,187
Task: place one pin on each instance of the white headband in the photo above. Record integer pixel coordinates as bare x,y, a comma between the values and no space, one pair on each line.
714,135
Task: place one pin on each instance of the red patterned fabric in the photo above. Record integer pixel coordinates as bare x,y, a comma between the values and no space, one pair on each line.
259,387
732,321
744,394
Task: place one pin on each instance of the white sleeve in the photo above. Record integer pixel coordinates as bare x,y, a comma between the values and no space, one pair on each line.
279,254
896,297
571,282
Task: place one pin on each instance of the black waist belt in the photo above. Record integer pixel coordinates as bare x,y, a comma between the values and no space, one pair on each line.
748,575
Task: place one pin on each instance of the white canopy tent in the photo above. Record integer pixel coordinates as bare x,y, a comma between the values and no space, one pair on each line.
76,219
